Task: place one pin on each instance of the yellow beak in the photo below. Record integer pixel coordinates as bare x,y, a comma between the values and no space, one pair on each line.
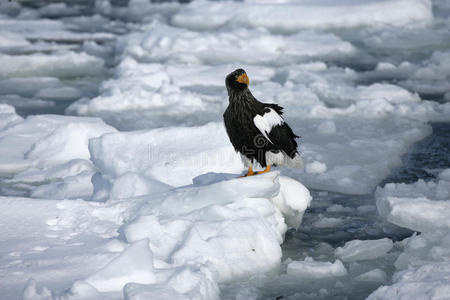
243,79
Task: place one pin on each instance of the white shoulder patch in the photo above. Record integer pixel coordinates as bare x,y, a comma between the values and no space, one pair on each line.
266,122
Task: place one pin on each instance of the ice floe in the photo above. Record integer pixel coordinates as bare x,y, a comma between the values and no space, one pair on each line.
423,264
274,16
310,269
184,241
68,64
361,250
46,149
163,215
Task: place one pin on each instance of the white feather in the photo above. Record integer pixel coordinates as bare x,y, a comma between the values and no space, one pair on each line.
246,161
266,122
282,159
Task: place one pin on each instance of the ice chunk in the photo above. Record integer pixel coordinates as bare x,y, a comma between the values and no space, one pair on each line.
8,116
180,283
310,269
83,290
327,222
439,190
28,86
364,250
68,64
166,43
425,248
420,206
45,141
25,103
316,167
68,141
135,264
49,30
36,175
419,214
69,187
375,275
171,155
234,226
58,10
339,208
427,282
293,197
60,93
274,16
416,206
11,40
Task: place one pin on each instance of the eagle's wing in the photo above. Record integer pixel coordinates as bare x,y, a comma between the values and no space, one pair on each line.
273,127
267,121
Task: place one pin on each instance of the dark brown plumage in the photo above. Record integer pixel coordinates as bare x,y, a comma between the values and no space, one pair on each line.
257,130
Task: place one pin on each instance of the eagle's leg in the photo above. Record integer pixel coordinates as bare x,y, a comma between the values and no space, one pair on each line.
265,171
249,172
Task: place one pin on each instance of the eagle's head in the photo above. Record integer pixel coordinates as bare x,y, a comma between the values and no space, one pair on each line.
237,81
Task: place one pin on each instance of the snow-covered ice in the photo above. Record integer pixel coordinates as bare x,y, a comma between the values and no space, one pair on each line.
274,16
185,240
423,264
173,155
48,155
136,194
421,206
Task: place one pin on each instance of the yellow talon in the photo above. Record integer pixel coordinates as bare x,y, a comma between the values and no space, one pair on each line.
250,171
265,171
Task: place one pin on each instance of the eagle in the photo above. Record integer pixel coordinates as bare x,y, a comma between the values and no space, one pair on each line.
257,130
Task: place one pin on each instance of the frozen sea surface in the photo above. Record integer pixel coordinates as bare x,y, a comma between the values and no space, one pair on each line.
118,180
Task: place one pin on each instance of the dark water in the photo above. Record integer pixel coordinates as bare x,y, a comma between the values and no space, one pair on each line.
426,158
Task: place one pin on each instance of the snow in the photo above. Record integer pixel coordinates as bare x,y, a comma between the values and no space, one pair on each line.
137,195
356,250
48,156
240,217
47,140
423,264
155,154
135,264
421,206
427,282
